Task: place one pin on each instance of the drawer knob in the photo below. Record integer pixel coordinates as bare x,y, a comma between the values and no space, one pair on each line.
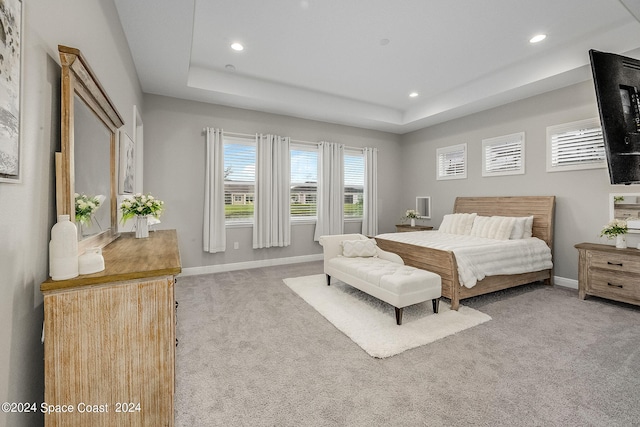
619,264
615,286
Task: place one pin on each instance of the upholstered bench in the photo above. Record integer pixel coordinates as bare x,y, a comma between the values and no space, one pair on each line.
359,262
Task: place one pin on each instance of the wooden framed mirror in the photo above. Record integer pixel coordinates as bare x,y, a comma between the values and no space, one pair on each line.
86,163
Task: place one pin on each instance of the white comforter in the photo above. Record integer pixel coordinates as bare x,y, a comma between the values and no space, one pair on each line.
478,257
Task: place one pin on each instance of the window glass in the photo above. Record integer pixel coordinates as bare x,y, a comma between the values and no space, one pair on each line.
239,180
304,181
353,184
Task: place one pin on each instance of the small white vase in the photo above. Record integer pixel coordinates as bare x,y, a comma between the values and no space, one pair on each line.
621,241
142,227
413,222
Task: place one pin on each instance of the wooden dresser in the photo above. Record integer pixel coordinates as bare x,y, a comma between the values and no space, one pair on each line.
607,272
110,337
400,228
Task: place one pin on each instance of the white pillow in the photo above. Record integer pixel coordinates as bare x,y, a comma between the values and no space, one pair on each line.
459,223
359,248
493,227
522,227
528,228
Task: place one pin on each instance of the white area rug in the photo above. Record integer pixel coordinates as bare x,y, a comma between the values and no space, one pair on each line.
371,323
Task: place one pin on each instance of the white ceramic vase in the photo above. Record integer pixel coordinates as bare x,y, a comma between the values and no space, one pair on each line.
63,249
621,241
142,227
413,222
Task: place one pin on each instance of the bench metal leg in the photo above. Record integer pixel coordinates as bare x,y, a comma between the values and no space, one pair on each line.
328,280
398,316
436,304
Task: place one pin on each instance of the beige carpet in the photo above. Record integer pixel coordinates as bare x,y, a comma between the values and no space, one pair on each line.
371,323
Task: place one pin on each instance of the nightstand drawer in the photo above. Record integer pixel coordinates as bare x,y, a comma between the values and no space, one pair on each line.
625,285
614,262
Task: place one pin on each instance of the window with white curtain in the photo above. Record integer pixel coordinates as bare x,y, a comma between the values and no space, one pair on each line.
452,162
239,179
503,155
353,183
304,181
575,145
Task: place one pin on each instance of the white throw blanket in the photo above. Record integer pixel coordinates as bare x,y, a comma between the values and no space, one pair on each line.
478,257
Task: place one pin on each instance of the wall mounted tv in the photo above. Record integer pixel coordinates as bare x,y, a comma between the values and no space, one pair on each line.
617,83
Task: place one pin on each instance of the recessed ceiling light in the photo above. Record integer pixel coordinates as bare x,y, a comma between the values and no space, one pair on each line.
384,42
537,38
237,46
413,94
230,67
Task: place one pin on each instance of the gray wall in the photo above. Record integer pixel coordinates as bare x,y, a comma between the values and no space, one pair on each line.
581,196
174,173
27,210
174,170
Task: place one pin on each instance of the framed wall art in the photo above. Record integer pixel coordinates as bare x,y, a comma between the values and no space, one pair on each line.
127,164
10,90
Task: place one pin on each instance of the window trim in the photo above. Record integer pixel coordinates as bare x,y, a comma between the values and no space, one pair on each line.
572,127
452,149
517,139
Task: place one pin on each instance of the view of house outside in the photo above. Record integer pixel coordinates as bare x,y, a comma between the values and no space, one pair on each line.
240,183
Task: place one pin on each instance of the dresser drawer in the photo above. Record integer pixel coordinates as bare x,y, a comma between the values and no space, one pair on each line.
623,285
613,261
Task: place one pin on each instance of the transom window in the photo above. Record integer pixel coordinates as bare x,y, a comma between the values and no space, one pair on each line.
575,145
452,162
503,155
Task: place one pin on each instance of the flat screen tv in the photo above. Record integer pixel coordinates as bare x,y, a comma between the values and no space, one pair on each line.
617,83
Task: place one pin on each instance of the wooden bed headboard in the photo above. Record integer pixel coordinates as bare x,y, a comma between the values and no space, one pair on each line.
541,207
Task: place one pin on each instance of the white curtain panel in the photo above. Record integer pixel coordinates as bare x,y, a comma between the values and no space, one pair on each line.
330,190
272,224
214,233
370,208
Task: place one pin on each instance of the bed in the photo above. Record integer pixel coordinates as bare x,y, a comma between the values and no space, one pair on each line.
443,262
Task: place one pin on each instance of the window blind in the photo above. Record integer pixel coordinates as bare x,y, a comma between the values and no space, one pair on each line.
503,155
452,162
577,145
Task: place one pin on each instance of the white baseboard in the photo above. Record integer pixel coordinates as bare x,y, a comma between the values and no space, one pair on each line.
564,282
208,269
221,268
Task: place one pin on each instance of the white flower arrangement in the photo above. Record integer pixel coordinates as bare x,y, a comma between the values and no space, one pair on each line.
411,214
614,228
86,206
141,205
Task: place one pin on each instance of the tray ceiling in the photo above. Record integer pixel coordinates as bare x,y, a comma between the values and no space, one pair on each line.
356,62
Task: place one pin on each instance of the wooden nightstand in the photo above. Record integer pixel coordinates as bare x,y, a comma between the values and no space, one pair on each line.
407,227
607,272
